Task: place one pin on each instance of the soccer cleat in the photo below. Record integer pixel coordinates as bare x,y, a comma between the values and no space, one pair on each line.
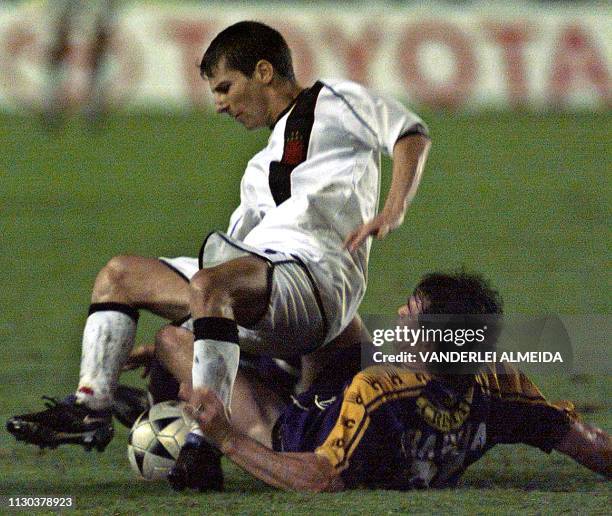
128,404
64,422
198,467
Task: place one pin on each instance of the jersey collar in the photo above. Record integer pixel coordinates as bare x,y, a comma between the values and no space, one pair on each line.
288,108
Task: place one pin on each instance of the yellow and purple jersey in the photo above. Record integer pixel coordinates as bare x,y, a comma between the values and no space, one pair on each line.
396,429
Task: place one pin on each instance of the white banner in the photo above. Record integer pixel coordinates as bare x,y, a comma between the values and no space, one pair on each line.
473,56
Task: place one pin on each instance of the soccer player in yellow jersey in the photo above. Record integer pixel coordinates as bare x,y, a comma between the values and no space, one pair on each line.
389,427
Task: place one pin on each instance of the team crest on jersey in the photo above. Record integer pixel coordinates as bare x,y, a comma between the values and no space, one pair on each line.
294,149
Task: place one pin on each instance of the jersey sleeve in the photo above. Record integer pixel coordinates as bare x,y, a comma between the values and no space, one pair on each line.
242,221
361,445
375,120
520,413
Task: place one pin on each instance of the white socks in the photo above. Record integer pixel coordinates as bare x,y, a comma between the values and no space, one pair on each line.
215,358
215,365
108,337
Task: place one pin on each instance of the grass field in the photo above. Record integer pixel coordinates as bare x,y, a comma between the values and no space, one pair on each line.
523,198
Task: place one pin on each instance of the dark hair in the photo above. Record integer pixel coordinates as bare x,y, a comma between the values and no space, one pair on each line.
243,45
458,293
460,301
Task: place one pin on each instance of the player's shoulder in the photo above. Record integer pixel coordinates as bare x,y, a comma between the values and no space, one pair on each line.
503,380
378,383
344,90
347,101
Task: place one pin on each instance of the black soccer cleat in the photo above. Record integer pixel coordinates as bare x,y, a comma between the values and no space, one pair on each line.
64,422
128,404
197,467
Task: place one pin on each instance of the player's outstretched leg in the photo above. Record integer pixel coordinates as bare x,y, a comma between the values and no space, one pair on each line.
222,296
123,286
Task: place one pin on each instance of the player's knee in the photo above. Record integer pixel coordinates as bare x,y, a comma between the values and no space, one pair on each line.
588,445
211,286
166,342
203,282
111,281
114,273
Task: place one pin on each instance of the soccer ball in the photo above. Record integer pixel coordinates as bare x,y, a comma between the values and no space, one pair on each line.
156,439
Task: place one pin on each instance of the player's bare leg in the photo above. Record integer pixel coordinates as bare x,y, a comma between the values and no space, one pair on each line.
142,283
125,285
254,407
221,297
589,446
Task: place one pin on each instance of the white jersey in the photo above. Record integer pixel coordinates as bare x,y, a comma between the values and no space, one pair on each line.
332,192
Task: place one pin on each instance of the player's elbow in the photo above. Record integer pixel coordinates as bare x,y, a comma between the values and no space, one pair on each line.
319,478
319,484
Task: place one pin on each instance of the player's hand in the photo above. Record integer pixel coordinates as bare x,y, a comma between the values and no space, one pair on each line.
185,391
379,227
207,409
142,356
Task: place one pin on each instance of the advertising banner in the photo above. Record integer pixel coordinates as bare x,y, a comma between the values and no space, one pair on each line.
469,56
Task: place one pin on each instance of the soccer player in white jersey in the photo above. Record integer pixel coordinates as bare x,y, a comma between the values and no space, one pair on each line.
289,274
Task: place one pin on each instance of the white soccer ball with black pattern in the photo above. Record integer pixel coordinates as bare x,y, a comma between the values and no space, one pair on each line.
156,439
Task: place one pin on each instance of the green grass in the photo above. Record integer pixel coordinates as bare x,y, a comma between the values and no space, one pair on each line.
523,198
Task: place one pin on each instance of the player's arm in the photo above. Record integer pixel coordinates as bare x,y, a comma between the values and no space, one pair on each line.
546,425
589,446
293,471
409,157
140,356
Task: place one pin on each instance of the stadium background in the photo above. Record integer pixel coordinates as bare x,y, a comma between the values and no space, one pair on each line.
517,98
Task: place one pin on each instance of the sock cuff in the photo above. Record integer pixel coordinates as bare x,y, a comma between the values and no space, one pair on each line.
128,310
215,328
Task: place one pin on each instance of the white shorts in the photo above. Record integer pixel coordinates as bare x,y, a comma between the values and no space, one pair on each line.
294,324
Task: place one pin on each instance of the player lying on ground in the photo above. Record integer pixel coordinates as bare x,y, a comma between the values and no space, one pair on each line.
291,272
390,427
264,386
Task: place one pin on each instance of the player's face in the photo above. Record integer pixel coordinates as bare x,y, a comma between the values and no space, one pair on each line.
408,317
412,308
241,97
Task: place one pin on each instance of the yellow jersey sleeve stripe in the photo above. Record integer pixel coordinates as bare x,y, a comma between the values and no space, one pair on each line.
368,391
